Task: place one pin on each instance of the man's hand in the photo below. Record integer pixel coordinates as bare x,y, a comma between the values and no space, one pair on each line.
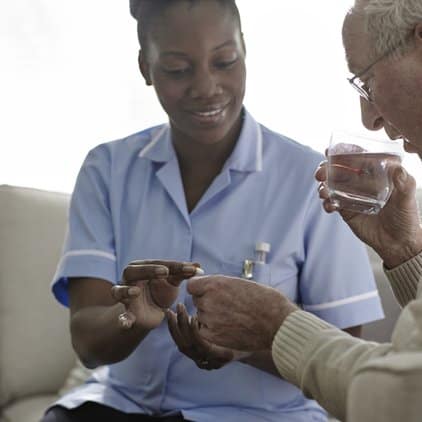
395,232
238,314
185,333
148,289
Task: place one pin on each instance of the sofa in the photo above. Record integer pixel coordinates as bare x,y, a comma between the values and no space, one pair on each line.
36,356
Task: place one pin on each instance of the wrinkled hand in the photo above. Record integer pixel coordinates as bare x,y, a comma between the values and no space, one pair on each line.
185,333
395,232
238,314
148,288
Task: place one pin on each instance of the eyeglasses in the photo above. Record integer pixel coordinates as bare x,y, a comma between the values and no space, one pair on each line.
362,87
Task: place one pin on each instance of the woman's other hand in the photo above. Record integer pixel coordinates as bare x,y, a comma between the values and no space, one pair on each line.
148,288
185,332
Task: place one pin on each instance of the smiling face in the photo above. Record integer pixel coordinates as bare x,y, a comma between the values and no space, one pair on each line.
195,60
395,83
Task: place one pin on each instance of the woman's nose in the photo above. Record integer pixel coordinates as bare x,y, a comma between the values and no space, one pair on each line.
371,117
205,84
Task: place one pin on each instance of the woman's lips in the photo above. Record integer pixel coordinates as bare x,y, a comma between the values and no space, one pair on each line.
210,115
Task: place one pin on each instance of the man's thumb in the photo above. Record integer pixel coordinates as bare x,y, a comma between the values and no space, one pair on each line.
404,183
196,286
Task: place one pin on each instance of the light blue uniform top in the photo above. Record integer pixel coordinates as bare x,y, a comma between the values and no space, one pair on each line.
129,204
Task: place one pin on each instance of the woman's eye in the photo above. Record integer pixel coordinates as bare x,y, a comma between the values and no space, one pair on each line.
177,72
225,64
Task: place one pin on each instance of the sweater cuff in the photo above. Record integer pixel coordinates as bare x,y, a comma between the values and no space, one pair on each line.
404,279
292,339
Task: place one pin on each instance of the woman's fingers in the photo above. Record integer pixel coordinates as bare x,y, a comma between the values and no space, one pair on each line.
176,334
125,294
126,320
183,323
185,332
174,271
135,272
181,331
181,271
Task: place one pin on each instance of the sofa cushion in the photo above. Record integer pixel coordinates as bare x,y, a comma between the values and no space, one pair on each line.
35,350
382,329
77,376
27,410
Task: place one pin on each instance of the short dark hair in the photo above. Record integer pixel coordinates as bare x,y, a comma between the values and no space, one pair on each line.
146,11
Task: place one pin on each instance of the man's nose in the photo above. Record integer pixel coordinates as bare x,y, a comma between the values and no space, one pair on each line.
371,117
205,84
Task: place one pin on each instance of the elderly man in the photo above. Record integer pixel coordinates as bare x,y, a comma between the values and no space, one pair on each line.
353,379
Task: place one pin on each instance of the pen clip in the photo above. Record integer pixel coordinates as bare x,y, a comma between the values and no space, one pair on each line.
247,270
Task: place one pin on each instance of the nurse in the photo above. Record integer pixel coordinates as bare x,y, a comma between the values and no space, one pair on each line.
187,193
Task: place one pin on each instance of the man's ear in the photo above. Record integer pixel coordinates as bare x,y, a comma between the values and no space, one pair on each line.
144,67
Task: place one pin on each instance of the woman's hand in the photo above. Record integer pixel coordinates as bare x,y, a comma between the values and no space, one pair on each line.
148,288
395,232
185,332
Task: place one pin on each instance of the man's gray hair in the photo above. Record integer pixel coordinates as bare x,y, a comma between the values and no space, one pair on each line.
391,23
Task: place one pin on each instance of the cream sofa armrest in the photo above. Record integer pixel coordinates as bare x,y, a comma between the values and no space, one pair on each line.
35,350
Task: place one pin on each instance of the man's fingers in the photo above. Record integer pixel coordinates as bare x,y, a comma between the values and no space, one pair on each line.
404,183
329,207
323,191
125,293
321,172
196,286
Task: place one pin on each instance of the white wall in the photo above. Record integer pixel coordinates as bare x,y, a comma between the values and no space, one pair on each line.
69,80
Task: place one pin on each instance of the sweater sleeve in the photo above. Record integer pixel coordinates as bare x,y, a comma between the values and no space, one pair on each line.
404,279
320,359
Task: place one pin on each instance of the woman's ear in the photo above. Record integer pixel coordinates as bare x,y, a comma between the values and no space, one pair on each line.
242,38
144,67
418,33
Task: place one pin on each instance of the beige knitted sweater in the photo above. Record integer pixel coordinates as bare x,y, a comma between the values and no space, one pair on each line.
357,380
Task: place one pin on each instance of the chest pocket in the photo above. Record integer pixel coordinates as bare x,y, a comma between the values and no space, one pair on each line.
261,273
282,279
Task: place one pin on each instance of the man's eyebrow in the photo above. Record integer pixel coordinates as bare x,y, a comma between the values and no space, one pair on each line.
351,65
353,68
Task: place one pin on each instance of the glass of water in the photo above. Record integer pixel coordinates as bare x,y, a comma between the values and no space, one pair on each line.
359,171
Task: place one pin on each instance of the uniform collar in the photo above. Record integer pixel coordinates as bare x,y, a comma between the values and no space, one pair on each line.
246,156
159,148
